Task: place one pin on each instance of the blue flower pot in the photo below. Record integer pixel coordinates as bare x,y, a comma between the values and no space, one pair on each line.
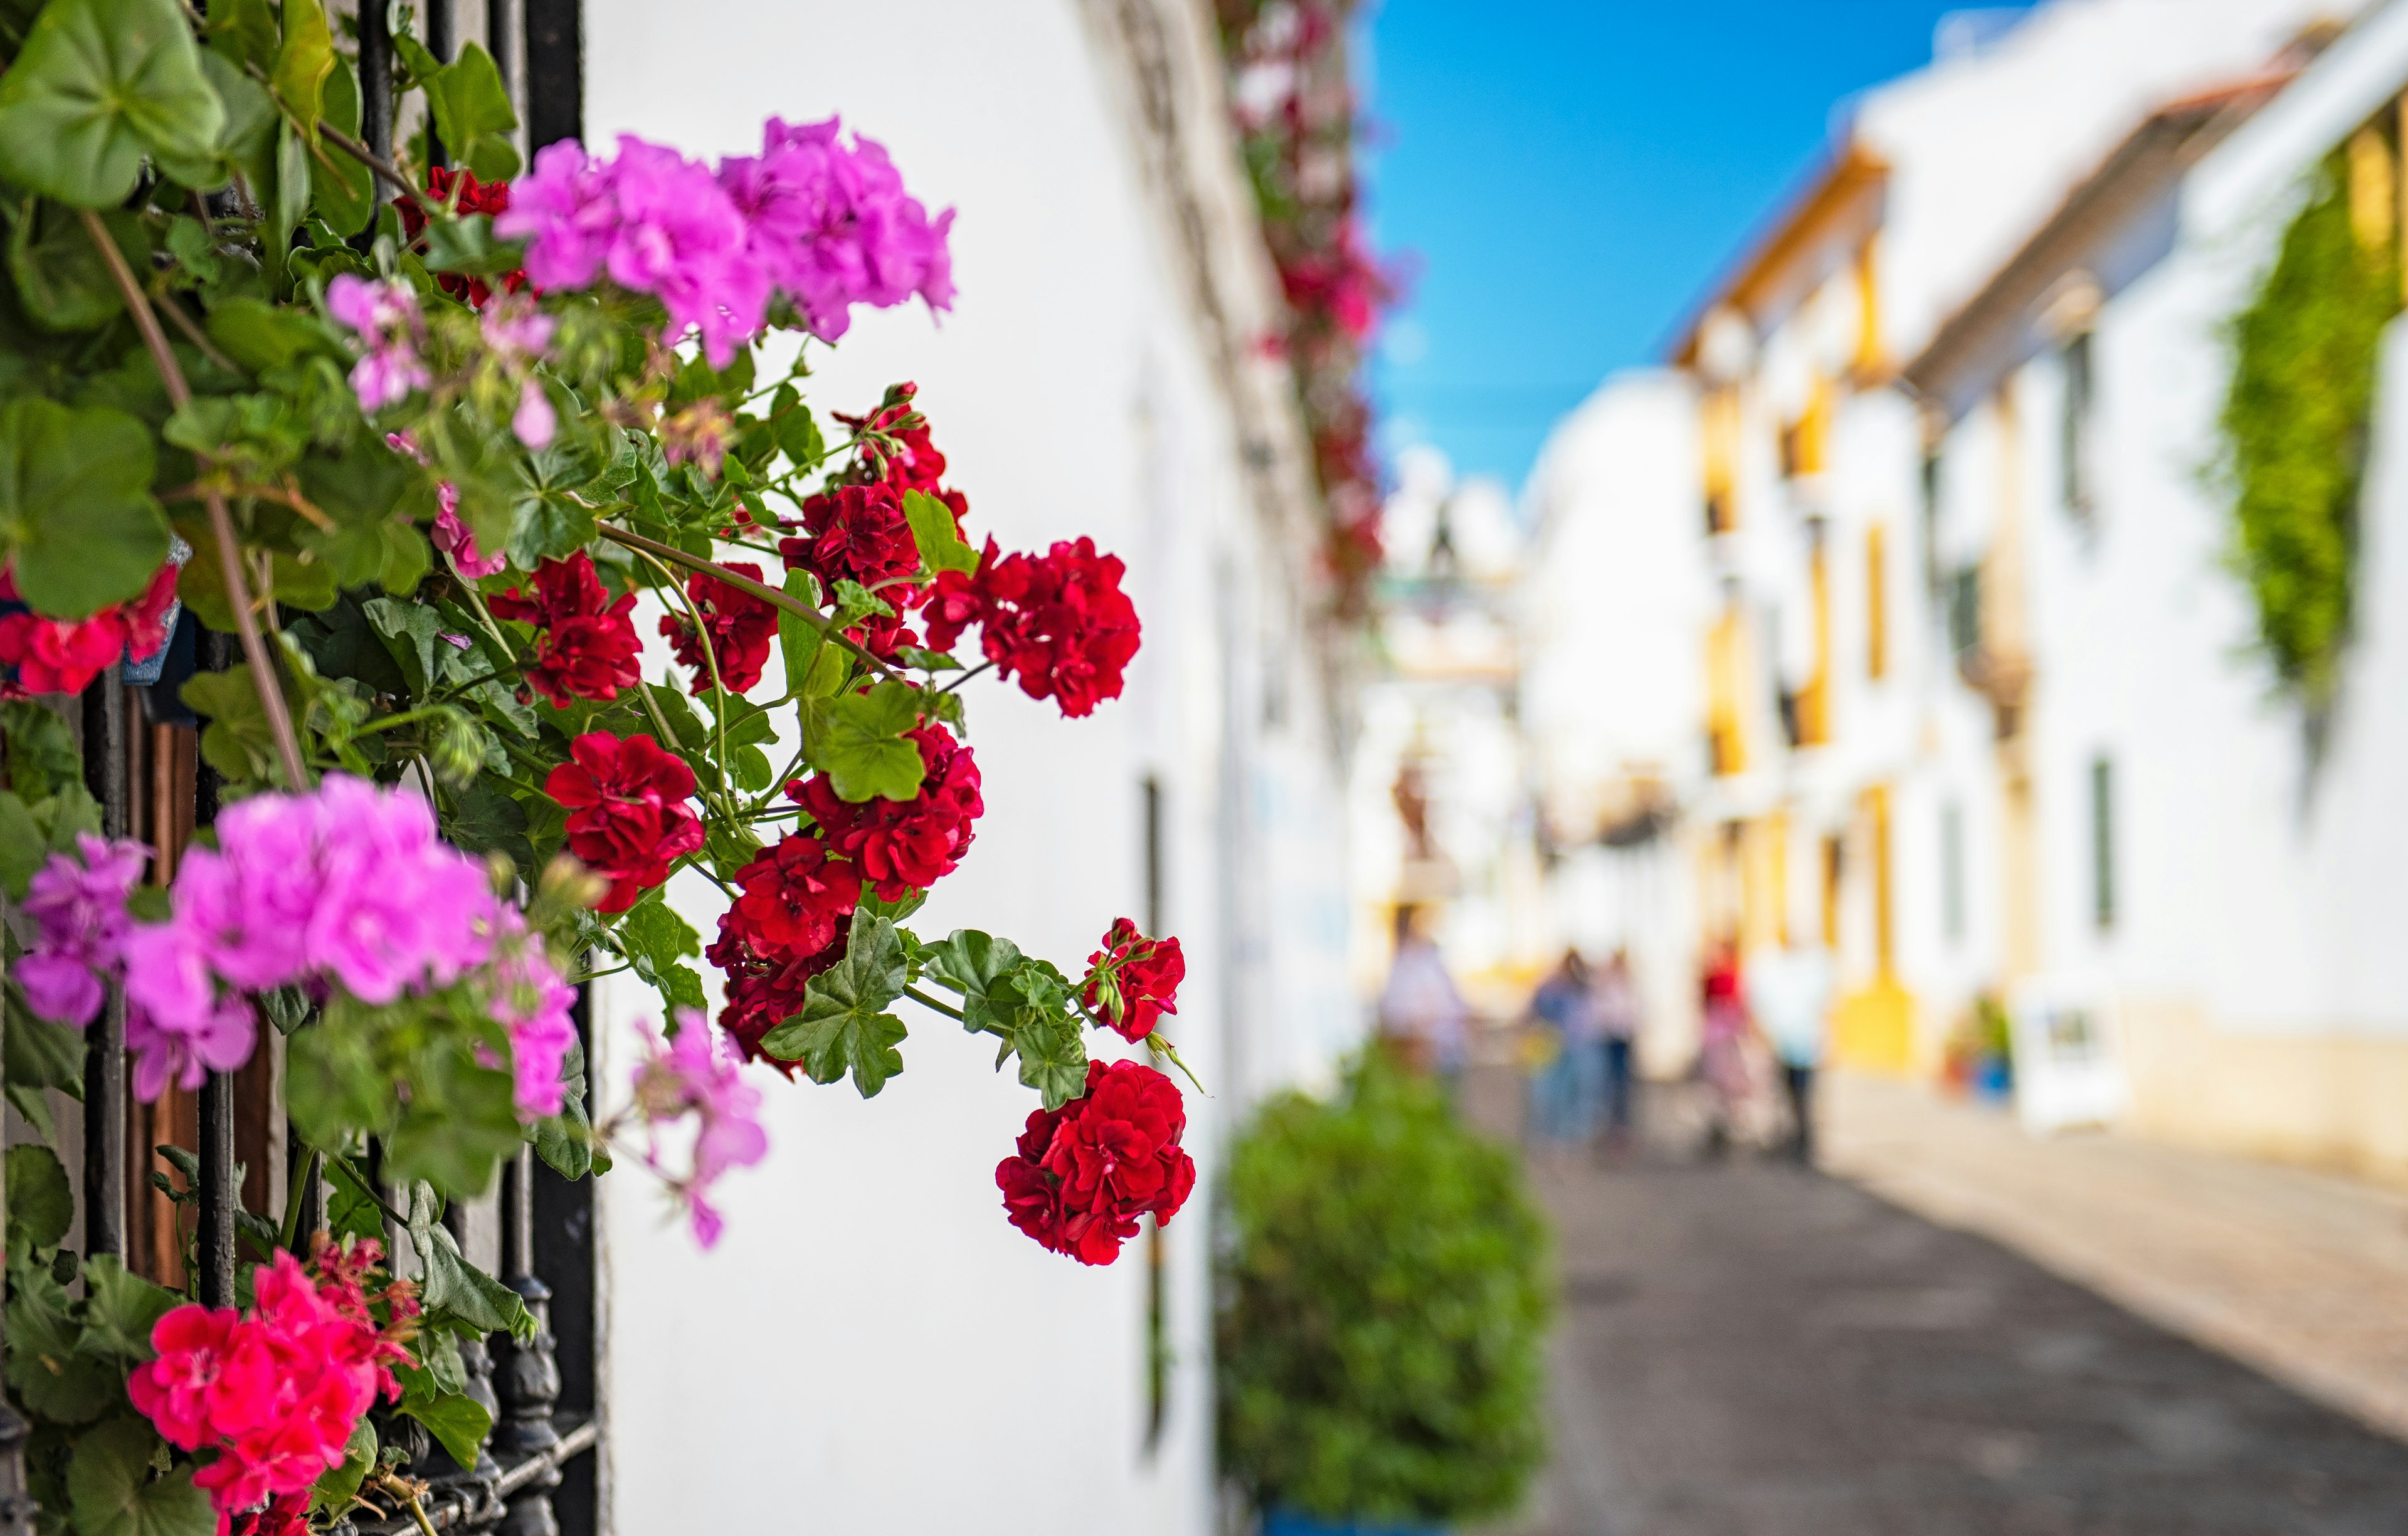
1282,1522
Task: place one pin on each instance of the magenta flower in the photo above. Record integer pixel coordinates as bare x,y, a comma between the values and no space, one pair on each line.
701,1074
833,226
534,423
385,315
565,211
175,1023
533,1003
396,907
81,911
680,239
453,537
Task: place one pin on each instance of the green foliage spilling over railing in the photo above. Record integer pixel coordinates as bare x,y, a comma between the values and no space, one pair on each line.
2294,429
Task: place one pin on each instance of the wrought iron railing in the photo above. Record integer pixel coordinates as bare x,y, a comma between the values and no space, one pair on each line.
539,1473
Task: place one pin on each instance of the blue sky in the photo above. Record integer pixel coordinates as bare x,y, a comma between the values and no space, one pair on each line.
1567,175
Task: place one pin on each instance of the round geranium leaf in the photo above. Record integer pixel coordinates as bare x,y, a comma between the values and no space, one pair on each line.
76,507
99,85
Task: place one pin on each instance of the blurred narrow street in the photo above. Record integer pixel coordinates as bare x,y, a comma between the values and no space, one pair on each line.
1748,1346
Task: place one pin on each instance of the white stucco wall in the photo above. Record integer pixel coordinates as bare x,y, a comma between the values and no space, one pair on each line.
872,1347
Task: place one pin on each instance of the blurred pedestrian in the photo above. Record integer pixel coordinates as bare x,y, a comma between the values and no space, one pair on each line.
1615,995
1722,1056
1789,993
1422,1015
1567,1078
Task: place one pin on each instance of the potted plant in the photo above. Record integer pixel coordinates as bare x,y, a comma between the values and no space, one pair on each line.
1383,1303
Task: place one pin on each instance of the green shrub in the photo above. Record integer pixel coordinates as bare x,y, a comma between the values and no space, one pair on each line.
1384,1305
2295,430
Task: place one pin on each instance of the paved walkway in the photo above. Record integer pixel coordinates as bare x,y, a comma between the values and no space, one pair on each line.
1750,1348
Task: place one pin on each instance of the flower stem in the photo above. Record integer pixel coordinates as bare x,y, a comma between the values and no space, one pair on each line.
293,1201
924,1000
255,648
983,666
768,594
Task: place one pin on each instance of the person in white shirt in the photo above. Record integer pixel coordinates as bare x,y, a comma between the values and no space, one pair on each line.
1615,998
1789,990
1420,1008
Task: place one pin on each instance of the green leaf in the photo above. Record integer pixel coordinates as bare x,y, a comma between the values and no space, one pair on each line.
52,1376
244,31
99,85
112,1486
472,113
237,742
798,435
121,1308
75,502
346,197
968,961
290,203
301,63
449,1284
1052,1052
858,743
36,1054
459,1423
799,642
938,535
337,1486
843,1027
467,245
63,281
21,851
41,1204
654,930
249,141
42,755
486,817
262,335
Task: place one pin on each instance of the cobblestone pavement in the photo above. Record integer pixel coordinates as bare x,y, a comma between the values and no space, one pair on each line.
1751,1349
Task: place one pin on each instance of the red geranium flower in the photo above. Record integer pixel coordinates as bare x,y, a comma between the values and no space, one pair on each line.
485,197
906,460
856,532
1060,621
741,628
64,656
904,844
1132,980
763,990
587,647
1085,1173
628,820
797,897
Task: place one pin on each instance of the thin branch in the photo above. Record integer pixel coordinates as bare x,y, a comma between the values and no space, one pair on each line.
255,647
378,163
924,1000
771,595
198,337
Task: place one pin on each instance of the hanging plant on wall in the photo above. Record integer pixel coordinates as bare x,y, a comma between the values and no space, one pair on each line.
2294,429
424,456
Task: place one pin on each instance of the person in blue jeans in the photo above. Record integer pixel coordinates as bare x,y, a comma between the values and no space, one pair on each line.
1615,999
1565,1091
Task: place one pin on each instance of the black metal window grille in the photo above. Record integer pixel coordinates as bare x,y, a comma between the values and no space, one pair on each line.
539,1473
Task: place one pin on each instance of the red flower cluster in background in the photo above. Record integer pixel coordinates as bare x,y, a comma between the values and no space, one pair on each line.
278,1393
628,820
904,844
64,656
741,628
475,196
1132,980
1085,1173
1059,621
586,647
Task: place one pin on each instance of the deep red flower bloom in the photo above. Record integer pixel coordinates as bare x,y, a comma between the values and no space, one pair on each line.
763,990
1132,980
587,648
1060,621
742,628
286,1515
627,816
907,459
856,532
904,844
64,656
485,197
797,897
1085,1173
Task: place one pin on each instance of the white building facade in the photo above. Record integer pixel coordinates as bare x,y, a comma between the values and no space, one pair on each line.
872,1347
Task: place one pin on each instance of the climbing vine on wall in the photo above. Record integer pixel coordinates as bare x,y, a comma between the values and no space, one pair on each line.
2294,429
